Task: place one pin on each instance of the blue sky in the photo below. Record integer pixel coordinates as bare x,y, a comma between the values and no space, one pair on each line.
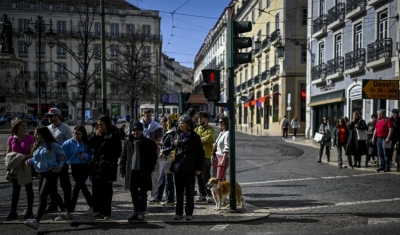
183,35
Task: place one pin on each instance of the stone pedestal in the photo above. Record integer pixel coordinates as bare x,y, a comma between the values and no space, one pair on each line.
12,94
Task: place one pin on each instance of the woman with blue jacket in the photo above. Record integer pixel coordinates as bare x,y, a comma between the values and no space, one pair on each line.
79,155
48,159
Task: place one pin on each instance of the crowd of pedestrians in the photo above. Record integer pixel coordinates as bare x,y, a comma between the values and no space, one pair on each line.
52,150
378,138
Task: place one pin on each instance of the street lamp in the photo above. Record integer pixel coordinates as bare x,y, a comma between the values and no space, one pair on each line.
40,28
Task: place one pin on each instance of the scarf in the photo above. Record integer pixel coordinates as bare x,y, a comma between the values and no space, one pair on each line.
136,154
151,127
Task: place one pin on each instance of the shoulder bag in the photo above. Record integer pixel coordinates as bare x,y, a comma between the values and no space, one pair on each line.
361,134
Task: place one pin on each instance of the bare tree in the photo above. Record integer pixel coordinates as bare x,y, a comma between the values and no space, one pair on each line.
83,53
131,72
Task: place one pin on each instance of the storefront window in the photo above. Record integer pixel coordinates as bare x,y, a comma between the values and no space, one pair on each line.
303,95
245,115
275,103
258,108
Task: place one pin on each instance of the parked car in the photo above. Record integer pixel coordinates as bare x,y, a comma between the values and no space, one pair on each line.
121,120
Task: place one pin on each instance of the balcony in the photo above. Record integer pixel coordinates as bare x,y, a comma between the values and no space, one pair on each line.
355,8
274,72
243,86
250,84
264,76
336,16
379,52
61,75
238,89
319,26
25,74
375,2
335,68
257,80
318,73
275,37
266,43
354,61
36,74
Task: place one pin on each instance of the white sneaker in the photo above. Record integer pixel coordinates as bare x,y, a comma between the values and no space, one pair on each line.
89,212
32,223
294,137
62,216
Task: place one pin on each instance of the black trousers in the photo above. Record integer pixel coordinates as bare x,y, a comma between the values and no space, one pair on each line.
203,178
294,132
16,189
49,187
65,185
327,152
102,196
184,180
80,173
138,194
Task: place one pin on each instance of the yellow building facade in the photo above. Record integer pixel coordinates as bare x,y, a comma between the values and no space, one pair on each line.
272,86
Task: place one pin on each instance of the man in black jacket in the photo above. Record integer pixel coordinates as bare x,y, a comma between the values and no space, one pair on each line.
138,161
396,132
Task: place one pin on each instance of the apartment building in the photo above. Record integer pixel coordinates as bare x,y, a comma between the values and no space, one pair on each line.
176,78
272,85
350,41
59,68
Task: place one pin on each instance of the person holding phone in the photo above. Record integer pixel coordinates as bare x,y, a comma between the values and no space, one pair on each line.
79,154
48,160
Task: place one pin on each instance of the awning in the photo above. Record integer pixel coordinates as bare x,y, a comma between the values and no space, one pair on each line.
249,98
335,100
246,104
262,99
327,98
253,102
197,99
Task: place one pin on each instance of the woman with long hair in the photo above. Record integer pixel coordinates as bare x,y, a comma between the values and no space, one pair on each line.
340,139
166,179
356,147
189,161
22,143
47,160
295,125
221,146
106,144
325,130
79,155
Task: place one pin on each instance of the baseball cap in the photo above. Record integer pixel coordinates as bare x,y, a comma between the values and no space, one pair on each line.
53,111
137,126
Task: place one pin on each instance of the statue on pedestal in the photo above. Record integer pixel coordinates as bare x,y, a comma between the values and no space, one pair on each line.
6,43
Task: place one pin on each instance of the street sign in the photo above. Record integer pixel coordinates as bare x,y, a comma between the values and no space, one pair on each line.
380,89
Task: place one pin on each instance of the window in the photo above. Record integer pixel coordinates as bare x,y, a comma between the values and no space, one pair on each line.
382,25
321,7
97,51
277,21
61,27
252,72
338,45
146,53
260,8
253,16
114,30
259,68
304,18
266,62
321,53
97,29
130,29
245,75
114,52
24,69
259,36
61,51
97,68
23,49
62,72
276,59
42,50
357,36
304,53
240,79
275,103
82,28
268,3
267,30
23,25
80,51
146,31
258,111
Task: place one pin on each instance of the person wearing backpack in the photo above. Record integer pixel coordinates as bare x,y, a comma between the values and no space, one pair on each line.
295,125
285,128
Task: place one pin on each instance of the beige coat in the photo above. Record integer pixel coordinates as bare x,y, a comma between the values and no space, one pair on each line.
17,168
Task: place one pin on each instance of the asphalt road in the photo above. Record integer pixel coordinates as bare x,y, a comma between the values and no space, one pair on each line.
304,197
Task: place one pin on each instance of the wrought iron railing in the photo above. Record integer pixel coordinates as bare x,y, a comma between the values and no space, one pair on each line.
238,88
318,72
274,70
319,23
335,13
335,65
266,42
379,49
351,5
275,35
355,58
243,85
264,75
257,79
250,83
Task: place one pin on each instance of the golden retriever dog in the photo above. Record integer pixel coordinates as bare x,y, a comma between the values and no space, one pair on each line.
221,190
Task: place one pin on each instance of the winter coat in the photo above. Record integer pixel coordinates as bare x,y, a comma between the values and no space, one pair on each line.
336,137
190,153
167,143
148,160
355,146
16,168
326,140
372,149
107,150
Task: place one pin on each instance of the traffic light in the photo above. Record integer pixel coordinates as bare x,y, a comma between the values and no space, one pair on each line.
182,105
212,89
234,43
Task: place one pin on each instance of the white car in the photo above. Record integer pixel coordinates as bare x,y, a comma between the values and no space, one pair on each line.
121,120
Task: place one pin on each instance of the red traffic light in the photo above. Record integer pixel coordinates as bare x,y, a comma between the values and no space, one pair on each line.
211,76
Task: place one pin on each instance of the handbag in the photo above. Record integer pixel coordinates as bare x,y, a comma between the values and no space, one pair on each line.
361,134
170,160
318,137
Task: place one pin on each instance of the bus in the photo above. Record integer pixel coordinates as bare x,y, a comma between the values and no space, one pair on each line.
162,110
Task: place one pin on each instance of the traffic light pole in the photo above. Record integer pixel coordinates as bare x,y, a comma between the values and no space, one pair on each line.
232,150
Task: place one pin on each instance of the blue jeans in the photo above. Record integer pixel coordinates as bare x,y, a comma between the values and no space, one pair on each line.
383,153
165,180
